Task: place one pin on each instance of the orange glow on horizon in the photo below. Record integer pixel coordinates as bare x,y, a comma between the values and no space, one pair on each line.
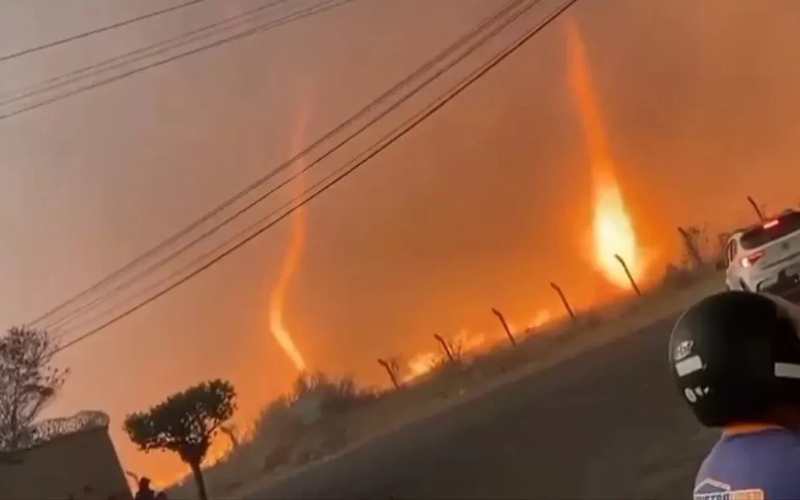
612,226
289,267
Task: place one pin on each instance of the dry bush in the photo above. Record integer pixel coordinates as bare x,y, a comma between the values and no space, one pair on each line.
711,251
677,276
335,396
457,350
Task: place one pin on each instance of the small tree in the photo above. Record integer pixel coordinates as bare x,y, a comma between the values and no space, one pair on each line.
27,383
185,423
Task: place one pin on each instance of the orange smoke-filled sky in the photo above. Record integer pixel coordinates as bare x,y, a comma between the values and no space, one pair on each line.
481,206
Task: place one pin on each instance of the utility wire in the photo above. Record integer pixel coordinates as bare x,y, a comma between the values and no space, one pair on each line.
502,56
175,237
241,211
86,34
311,11
427,66
157,48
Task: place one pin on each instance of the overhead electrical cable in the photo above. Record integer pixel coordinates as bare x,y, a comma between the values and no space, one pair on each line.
250,189
379,147
311,11
120,60
96,31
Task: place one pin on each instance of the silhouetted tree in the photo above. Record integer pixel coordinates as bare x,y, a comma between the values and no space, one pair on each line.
27,383
186,424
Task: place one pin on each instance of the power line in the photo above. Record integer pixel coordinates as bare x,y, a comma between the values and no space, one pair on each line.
421,70
311,11
184,231
199,260
503,55
86,34
154,49
364,127
425,67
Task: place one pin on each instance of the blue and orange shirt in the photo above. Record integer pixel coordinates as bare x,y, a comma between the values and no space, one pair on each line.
759,465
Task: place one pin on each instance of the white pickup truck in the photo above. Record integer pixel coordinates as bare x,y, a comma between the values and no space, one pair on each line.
766,258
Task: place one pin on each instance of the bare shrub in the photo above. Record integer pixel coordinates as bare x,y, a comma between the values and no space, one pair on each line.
335,396
677,276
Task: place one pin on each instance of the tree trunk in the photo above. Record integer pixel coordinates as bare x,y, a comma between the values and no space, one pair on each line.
198,479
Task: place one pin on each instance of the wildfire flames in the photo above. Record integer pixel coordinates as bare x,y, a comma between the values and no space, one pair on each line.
422,363
613,233
288,268
612,229
542,317
463,343
217,452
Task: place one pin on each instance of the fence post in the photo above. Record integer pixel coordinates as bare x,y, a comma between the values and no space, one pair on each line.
231,433
563,300
445,347
628,273
390,371
505,326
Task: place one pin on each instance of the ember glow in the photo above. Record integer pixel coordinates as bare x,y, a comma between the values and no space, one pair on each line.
288,269
218,451
612,227
542,317
421,363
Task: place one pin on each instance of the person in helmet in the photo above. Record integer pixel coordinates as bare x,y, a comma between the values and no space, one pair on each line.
735,358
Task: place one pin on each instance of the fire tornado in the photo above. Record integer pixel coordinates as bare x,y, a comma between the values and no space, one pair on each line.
612,228
289,266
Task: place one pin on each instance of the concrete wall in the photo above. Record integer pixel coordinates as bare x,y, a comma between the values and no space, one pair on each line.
79,466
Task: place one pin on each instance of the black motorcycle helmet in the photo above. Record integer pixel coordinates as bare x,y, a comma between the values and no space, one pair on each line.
736,355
